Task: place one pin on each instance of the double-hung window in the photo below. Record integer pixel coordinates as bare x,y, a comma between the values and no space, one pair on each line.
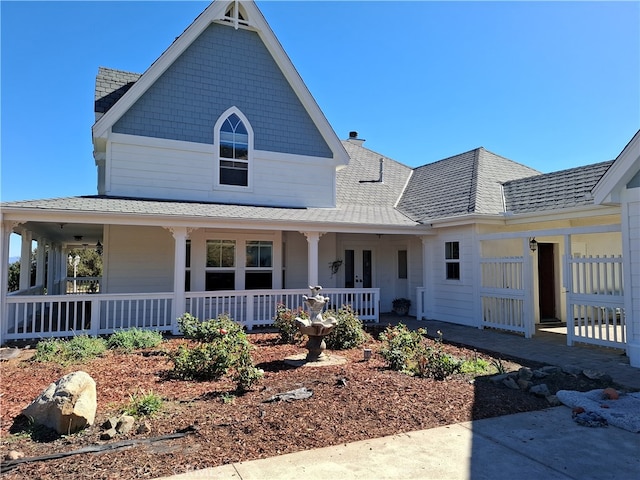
452,260
221,265
259,264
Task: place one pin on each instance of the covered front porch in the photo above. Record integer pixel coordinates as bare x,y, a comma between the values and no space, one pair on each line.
154,274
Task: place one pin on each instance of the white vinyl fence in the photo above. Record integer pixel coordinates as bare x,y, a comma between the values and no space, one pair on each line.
595,301
503,296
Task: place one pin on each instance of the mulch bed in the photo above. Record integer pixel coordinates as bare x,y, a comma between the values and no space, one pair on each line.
350,402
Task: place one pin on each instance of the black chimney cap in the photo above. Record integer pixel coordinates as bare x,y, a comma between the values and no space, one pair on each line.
353,134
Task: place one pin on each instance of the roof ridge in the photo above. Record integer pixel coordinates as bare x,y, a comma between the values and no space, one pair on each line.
562,172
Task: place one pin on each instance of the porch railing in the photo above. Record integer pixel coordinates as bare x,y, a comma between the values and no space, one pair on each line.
256,308
41,316
83,285
595,301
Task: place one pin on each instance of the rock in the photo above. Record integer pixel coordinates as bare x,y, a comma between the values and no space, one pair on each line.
499,378
125,424
540,374
144,427
610,394
553,401
550,369
67,405
297,394
524,384
110,423
108,434
509,382
14,455
525,373
572,370
540,390
596,375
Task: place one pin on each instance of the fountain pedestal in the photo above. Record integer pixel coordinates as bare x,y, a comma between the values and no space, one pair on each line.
315,328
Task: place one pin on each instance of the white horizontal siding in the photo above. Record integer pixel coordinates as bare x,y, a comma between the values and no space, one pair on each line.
140,259
451,300
169,169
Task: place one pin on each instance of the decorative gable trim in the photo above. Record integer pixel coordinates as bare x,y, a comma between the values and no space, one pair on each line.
253,20
623,169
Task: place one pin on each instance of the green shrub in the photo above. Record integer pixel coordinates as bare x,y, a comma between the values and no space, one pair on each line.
413,353
348,332
399,345
144,404
224,350
133,339
475,366
285,322
208,330
77,349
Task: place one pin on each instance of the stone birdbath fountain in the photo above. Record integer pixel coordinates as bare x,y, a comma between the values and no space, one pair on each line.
315,328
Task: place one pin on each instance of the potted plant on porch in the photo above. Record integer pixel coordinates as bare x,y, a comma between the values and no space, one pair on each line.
401,306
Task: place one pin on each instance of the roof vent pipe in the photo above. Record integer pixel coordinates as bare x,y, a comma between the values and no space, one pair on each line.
381,179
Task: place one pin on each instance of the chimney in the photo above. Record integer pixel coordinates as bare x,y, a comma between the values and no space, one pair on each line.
353,138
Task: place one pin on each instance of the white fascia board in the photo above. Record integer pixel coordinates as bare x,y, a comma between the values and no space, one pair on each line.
213,12
565,214
626,165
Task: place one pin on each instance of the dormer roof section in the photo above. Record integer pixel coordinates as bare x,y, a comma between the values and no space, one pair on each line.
237,15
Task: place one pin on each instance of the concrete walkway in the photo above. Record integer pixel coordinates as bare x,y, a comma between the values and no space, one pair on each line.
544,444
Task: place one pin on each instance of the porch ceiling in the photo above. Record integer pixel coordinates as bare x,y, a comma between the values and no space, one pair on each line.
66,233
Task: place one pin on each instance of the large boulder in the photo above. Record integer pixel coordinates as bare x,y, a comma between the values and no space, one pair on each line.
67,406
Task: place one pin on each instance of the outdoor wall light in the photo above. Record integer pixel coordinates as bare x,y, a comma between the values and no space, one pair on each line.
99,248
533,245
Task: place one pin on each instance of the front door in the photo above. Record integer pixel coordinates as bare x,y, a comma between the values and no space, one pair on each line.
546,282
358,273
358,270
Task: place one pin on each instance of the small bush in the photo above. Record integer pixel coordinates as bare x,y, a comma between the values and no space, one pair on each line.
475,366
285,322
348,332
77,349
225,350
144,404
134,339
208,330
411,352
399,345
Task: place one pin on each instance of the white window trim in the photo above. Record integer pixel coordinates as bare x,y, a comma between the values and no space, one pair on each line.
250,156
452,260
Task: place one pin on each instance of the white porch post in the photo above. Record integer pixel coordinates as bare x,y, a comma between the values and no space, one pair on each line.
313,238
568,282
40,262
51,262
25,260
5,233
179,267
529,306
422,302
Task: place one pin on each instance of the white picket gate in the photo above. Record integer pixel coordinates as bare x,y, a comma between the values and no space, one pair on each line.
595,301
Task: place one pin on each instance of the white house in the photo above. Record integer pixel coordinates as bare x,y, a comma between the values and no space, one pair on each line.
222,188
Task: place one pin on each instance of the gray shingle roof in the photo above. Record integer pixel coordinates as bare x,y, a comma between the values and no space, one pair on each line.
358,183
466,183
362,215
553,191
111,85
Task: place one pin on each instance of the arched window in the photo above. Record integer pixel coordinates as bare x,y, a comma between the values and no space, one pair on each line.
235,139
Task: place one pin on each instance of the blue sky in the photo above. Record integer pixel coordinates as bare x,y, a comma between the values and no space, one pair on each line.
552,85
